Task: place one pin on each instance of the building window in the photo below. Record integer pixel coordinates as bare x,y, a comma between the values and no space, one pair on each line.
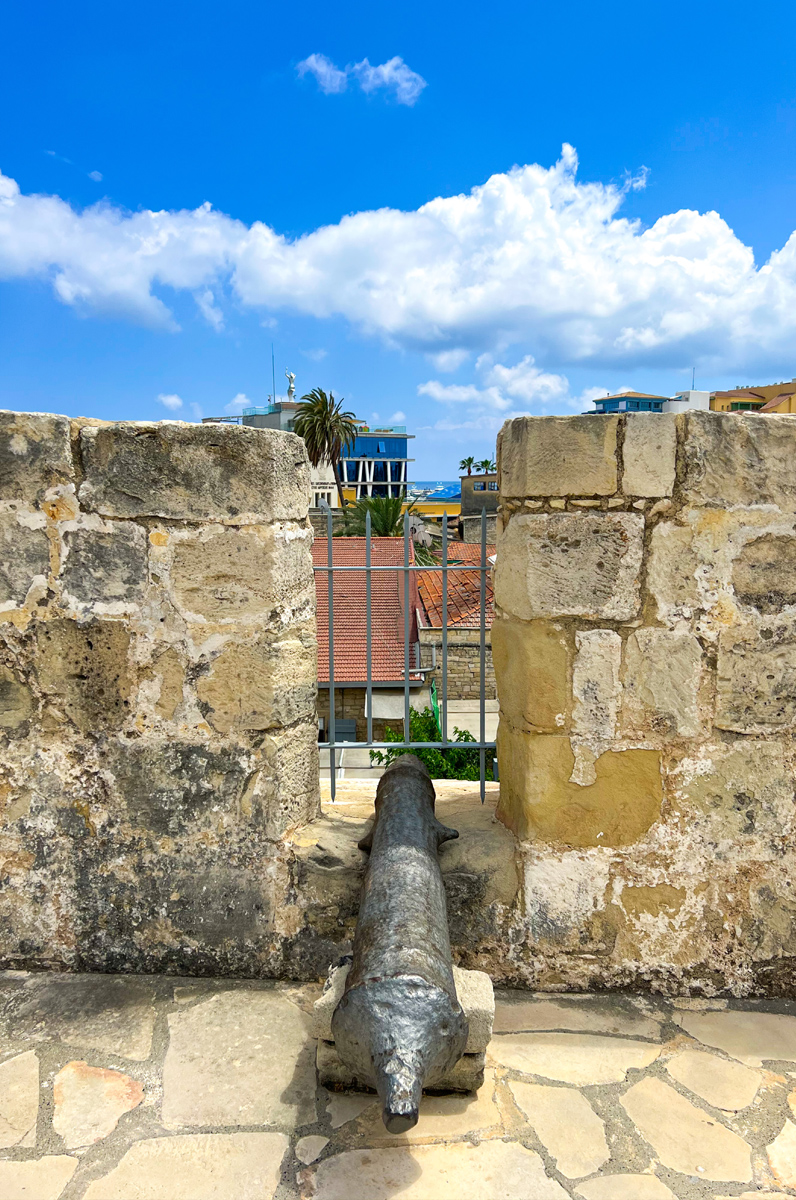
479,487
382,447
492,487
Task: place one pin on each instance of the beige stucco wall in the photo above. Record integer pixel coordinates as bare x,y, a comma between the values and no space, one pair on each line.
157,692
645,652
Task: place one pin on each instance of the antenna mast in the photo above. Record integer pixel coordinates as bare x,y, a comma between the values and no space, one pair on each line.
273,376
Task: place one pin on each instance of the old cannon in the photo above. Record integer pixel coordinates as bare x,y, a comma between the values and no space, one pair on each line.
399,1025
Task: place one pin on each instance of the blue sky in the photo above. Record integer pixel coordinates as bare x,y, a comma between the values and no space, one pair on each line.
644,252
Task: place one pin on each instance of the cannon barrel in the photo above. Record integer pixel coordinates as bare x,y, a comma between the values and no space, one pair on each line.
399,1025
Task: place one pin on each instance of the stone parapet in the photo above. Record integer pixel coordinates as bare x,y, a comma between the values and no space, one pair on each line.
157,691
645,655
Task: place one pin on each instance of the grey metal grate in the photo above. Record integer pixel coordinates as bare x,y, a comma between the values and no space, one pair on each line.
482,745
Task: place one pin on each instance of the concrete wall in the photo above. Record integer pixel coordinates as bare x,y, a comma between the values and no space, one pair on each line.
157,692
645,651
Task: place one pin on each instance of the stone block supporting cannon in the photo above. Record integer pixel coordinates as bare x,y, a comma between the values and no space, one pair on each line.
394,1015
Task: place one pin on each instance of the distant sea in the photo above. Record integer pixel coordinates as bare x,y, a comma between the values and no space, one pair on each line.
442,489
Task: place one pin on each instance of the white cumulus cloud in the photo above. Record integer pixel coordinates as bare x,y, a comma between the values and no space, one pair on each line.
533,261
330,79
170,400
238,403
391,76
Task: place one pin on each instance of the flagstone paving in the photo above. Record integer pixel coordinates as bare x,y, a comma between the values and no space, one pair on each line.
122,1088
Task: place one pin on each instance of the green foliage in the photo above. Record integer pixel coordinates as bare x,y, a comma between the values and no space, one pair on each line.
386,517
467,464
327,430
454,762
486,466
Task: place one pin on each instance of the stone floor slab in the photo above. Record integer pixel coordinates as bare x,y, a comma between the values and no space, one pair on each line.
727,1085
198,1166
311,1147
343,1107
751,1037
625,1187
782,1155
112,1014
44,1179
243,1057
19,1099
89,1102
566,1125
684,1137
573,1016
581,1059
489,1171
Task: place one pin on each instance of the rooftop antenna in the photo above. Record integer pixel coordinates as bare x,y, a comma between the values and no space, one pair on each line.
273,374
693,377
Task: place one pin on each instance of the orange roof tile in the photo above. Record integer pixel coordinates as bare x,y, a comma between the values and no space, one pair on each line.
464,590
350,607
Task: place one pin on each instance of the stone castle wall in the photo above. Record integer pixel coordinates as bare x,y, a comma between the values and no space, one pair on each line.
464,662
158,737
645,650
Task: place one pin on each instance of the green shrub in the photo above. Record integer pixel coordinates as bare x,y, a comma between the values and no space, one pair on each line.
454,762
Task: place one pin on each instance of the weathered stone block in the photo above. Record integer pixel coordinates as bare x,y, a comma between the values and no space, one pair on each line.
35,455
764,573
24,557
756,686
83,672
570,564
595,684
225,473
671,572
260,683
649,453
16,702
661,687
106,566
538,801
532,661
226,574
740,458
558,456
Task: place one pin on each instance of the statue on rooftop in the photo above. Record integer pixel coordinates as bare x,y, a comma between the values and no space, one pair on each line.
291,385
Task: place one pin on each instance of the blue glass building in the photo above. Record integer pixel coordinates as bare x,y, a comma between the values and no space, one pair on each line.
630,402
377,464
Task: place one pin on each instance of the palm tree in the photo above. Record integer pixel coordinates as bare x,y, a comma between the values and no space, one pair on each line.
486,466
386,517
327,431
467,465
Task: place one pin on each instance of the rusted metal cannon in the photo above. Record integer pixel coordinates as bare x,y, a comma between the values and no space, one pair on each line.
399,1025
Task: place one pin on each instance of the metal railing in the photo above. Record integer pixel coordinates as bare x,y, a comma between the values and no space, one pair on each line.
445,568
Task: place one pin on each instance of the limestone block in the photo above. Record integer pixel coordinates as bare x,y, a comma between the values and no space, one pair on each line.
628,1187
16,701
531,661
105,566
756,685
782,1155
473,988
42,1178
24,556
661,686
226,473
261,683
440,1116
558,456
596,690
233,573
672,564
582,1059
105,1013
567,1126
83,672
649,453
570,564
467,1075
35,455
19,1099
575,1014
751,1037
539,801
736,798
169,669
740,458
764,573
726,1085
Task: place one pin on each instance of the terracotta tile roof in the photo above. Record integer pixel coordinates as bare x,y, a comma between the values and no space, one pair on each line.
387,618
464,590
773,404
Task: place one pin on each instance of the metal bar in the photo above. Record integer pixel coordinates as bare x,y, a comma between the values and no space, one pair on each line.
473,567
332,746
413,745
368,627
482,689
407,733
444,729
